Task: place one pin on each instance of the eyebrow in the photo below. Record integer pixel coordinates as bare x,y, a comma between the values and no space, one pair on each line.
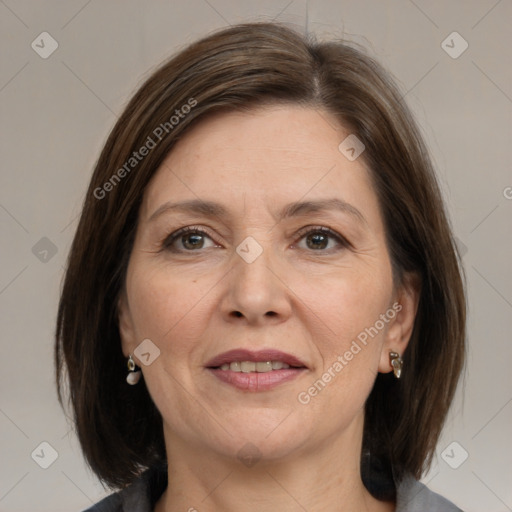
300,208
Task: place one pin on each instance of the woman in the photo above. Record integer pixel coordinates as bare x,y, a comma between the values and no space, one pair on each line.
263,307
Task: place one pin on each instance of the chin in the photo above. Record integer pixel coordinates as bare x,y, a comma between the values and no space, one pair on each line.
269,438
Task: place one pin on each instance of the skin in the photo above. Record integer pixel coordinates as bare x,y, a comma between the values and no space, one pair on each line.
304,296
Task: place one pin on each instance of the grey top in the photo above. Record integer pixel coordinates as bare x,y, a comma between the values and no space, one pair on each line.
142,495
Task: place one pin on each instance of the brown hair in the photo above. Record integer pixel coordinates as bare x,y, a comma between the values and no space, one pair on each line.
238,68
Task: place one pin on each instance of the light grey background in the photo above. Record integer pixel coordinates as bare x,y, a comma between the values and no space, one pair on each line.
56,114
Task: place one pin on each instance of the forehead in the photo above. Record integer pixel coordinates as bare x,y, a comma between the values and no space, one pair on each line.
271,153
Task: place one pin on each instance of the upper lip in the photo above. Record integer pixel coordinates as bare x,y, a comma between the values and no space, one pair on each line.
239,355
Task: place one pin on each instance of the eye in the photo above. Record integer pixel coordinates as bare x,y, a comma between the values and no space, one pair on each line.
317,238
191,238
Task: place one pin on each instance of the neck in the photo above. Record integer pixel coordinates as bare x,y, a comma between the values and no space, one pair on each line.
324,478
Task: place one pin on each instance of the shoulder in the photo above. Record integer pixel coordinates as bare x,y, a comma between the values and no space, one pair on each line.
413,496
111,503
140,496
132,499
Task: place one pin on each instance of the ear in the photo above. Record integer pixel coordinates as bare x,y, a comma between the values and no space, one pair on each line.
125,323
405,304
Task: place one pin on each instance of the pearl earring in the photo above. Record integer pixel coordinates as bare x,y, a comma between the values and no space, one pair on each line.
133,376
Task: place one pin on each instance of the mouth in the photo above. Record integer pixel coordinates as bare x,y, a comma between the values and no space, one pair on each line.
255,371
252,366
262,361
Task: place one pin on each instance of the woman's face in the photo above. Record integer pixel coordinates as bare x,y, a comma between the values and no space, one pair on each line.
287,266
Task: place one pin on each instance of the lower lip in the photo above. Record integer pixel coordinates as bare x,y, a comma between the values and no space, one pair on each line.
254,381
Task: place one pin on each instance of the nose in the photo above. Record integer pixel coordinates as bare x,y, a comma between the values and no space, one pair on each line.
256,290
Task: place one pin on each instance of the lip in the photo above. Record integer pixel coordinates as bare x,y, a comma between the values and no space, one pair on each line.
238,355
254,381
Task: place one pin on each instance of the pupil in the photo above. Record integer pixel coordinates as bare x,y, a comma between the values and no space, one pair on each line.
194,244
318,237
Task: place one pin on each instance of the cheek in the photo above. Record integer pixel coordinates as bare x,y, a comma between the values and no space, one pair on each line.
167,307
347,311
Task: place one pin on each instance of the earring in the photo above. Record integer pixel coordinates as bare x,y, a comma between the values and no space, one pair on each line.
133,376
397,363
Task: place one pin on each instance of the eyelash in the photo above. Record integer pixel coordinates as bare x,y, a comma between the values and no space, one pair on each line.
169,240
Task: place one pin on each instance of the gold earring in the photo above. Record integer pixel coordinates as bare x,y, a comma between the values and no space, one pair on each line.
397,363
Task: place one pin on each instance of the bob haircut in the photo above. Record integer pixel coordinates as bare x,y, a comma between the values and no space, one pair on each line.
238,69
